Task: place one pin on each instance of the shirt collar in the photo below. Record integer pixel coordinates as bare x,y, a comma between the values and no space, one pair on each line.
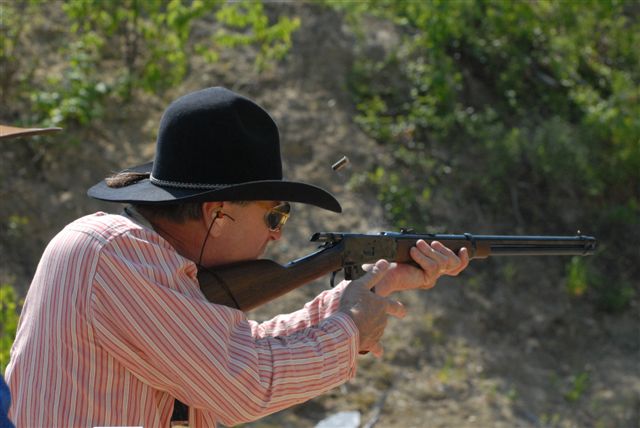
132,214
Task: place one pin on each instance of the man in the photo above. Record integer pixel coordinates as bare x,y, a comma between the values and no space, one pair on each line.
115,328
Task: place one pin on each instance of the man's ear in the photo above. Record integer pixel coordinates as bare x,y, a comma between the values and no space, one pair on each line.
212,211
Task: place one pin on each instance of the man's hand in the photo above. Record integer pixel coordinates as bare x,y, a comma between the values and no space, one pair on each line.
433,261
368,310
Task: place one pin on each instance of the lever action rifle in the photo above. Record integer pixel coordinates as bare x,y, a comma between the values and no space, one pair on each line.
246,285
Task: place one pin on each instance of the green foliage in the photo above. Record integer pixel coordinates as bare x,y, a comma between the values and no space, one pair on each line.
155,39
530,110
576,277
75,96
614,296
578,387
148,38
9,310
115,47
252,27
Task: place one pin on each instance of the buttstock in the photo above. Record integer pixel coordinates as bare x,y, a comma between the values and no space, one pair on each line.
247,285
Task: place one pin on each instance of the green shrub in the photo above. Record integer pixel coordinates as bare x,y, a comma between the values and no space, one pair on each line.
112,48
9,310
527,111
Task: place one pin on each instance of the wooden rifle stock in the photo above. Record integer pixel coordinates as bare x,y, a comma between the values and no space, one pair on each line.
247,285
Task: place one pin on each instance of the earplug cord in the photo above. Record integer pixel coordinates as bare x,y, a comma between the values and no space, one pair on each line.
219,214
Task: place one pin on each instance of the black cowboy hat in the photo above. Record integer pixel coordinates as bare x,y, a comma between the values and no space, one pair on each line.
215,145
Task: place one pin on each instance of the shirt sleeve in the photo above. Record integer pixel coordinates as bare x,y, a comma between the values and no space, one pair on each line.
317,310
206,355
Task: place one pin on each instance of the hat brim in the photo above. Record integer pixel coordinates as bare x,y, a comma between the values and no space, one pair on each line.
7,131
148,193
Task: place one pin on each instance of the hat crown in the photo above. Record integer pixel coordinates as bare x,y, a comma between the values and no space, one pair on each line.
214,145
215,137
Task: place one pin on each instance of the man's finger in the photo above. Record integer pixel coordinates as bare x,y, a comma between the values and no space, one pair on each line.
442,249
429,250
367,267
463,254
375,274
395,308
377,350
426,262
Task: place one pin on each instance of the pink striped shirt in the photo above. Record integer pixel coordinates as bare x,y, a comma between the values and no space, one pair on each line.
114,327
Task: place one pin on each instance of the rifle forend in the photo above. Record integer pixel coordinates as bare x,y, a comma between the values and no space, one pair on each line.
249,284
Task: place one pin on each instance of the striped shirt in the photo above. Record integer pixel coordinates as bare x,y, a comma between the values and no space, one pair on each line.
114,328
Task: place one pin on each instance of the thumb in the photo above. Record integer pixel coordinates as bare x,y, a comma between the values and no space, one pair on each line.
375,274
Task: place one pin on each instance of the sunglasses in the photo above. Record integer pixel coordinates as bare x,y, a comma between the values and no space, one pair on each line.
277,216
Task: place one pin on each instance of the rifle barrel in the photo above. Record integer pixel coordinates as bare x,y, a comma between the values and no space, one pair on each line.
539,245
514,245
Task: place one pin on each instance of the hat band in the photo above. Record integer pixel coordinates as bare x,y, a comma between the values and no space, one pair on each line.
167,183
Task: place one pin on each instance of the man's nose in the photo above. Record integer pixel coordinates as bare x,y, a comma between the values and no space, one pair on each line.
275,234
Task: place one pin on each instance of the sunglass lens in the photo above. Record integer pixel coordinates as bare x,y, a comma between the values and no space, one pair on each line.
274,220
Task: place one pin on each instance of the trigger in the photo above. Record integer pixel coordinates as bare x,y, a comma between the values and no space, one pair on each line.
332,282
